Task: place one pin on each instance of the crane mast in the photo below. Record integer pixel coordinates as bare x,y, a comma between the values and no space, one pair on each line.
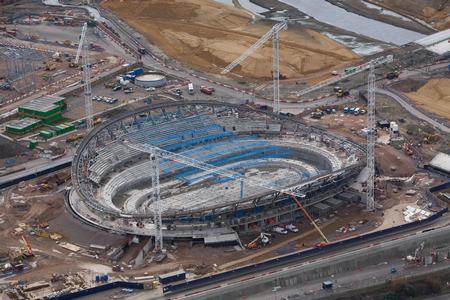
87,79
80,43
156,197
371,123
276,71
274,35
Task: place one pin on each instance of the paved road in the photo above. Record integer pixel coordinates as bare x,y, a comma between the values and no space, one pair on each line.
403,101
342,283
439,236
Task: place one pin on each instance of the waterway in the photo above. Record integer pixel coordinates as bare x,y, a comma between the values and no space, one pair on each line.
328,13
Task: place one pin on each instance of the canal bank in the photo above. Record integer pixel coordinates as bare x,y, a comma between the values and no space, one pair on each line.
328,13
375,12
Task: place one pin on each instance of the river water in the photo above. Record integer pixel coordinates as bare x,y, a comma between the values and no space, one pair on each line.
328,13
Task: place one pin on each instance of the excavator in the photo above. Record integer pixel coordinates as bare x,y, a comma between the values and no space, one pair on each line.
16,256
263,237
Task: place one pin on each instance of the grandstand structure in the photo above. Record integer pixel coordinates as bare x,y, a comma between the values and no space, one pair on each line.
112,182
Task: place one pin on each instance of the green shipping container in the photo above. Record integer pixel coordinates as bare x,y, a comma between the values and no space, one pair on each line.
45,134
32,144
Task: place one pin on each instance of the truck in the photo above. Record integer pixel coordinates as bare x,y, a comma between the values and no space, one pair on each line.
350,70
356,111
316,115
191,89
206,90
392,75
327,285
342,93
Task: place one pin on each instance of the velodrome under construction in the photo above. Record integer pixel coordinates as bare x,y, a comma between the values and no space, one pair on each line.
226,169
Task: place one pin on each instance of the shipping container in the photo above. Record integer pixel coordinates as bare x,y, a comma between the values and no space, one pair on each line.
138,71
32,144
46,134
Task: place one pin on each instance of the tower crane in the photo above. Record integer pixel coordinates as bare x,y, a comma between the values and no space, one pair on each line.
355,70
371,124
274,35
156,197
86,77
80,46
158,152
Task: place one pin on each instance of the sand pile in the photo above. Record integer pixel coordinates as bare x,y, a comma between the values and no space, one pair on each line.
434,96
208,36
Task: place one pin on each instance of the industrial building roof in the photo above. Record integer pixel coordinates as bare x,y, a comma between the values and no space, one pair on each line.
22,123
321,206
441,162
42,104
334,202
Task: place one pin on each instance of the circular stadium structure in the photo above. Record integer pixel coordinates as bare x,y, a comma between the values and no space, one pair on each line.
223,169
151,80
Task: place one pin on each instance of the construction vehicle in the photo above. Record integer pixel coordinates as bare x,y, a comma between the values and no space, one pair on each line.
417,257
407,148
74,137
350,70
263,238
431,138
49,66
17,255
98,121
341,93
392,75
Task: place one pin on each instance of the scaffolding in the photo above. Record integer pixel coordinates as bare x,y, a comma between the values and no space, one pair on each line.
21,66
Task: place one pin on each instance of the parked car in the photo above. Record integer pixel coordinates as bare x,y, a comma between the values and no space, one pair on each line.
292,228
279,230
150,89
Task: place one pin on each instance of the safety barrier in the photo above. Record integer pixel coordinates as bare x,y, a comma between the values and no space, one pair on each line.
440,187
37,174
100,288
289,258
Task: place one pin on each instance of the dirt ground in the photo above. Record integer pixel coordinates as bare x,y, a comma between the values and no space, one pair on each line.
435,12
434,96
208,35
393,162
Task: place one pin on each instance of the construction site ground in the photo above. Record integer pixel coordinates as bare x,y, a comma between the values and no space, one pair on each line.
51,35
412,129
208,35
47,207
434,96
